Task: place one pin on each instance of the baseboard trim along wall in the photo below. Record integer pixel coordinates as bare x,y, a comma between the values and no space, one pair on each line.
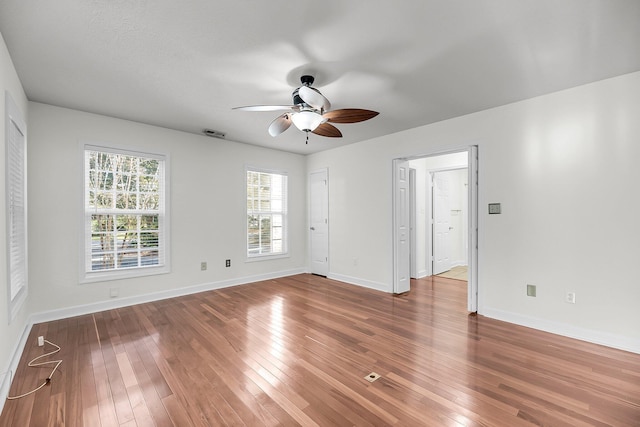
588,335
7,376
63,313
360,282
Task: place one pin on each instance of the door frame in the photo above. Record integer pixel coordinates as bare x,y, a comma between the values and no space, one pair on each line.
472,165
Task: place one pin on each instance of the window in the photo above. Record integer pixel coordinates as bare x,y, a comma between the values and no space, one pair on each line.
125,225
266,213
16,202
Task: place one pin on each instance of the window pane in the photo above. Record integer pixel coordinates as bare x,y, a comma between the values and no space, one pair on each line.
128,259
150,257
149,222
149,201
149,183
126,201
149,240
101,223
102,200
149,166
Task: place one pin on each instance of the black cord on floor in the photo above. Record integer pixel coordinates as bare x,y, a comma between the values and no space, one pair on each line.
33,364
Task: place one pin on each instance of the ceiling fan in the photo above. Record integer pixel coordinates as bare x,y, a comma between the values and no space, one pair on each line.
310,112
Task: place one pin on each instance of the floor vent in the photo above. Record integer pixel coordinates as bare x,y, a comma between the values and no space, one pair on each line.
372,377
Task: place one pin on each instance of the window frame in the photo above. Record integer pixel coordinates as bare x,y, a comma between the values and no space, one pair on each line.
90,276
285,215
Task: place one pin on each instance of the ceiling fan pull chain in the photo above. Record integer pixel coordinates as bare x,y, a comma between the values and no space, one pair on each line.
307,132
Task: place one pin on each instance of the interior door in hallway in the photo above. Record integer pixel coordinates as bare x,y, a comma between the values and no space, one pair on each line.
319,222
441,223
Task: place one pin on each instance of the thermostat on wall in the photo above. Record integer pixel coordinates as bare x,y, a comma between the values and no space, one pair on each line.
494,208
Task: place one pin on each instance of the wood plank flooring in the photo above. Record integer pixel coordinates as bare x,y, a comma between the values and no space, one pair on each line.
295,351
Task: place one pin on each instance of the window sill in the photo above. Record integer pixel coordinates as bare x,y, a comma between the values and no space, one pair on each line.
266,257
105,276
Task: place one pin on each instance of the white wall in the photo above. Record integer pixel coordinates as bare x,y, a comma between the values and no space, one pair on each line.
564,167
208,210
10,333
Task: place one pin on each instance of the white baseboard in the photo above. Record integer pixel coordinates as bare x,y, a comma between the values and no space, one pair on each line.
361,282
422,273
588,335
7,376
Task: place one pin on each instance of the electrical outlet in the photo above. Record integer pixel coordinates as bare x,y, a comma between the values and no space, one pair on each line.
227,263
570,297
203,265
40,341
531,290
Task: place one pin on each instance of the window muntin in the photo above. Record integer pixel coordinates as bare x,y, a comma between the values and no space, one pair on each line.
124,212
266,213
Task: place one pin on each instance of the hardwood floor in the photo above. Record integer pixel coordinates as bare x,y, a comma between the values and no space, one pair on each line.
295,351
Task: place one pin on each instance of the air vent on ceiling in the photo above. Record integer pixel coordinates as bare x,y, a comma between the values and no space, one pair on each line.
214,133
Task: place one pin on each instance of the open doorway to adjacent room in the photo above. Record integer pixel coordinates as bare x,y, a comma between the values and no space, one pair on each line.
437,233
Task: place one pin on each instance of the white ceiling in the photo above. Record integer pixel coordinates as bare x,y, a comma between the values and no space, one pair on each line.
185,64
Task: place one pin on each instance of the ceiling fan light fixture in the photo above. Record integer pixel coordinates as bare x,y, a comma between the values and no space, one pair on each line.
307,121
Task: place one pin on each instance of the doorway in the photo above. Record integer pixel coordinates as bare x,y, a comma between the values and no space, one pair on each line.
461,217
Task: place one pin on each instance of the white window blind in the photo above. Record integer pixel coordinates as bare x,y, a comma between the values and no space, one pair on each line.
266,213
125,224
16,194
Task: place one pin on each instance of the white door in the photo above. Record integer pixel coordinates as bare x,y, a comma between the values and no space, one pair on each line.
401,280
441,223
319,222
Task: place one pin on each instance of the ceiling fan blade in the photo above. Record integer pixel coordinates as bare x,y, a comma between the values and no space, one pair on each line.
314,98
280,124
267,108
349,115
325,129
